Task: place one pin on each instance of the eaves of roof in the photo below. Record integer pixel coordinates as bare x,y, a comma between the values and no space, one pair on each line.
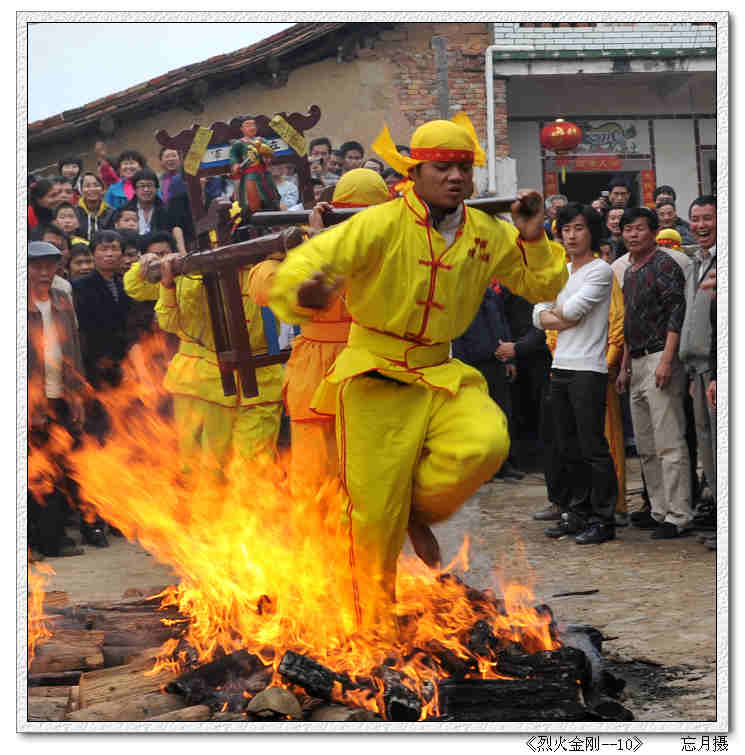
67,123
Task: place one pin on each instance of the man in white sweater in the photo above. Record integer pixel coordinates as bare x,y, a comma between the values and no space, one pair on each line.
579,378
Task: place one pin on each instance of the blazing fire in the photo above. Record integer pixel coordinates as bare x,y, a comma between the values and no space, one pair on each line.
38,629
265,569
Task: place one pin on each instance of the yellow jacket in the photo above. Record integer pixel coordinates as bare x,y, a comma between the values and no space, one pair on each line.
321,340
616,316
193,371
138,289
408,292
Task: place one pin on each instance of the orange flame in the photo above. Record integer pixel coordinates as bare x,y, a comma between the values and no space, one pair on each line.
265,568
38,629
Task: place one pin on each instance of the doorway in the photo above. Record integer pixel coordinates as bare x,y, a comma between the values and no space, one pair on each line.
585,187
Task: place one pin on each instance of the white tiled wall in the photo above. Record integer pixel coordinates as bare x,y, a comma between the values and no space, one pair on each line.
604,36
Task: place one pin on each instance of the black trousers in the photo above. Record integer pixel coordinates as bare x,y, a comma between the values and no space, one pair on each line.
692,443
48,515
51,513
564,490
528,393
578,404
500,392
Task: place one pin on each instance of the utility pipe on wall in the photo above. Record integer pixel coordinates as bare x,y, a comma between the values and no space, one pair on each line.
491,157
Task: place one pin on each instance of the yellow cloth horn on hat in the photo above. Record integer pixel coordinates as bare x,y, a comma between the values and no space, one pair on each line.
479,156
436,141
385,148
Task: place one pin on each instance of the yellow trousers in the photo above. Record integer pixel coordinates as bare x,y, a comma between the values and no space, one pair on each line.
314,457
614,436
404,446
212,432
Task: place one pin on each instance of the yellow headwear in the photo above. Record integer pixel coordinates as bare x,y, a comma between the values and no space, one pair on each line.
670,238
437,141
360,187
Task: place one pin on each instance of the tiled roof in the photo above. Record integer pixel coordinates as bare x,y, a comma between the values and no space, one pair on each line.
66,123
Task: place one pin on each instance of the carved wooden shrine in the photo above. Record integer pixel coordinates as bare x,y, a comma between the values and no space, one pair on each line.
220,266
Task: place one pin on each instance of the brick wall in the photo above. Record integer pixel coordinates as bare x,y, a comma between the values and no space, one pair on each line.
409,47
598,36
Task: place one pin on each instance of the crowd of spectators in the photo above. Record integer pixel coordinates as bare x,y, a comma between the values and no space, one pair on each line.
660,262
621,364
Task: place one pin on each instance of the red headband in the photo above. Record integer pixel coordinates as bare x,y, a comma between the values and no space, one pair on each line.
439,154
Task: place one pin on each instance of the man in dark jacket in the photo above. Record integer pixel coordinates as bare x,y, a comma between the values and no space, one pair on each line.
152,213
533,361
180,222
478,346
103,309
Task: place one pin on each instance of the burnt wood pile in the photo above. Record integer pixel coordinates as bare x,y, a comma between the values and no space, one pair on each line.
94,668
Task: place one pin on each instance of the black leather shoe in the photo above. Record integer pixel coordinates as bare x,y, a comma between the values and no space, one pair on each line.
569,524
705,514
640,515
95,536
622,520
646,523
666,531
597,532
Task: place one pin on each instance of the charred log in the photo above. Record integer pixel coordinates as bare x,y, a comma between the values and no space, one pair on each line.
452,664
482,641
400,702
226,683
562,664
512,700
313,677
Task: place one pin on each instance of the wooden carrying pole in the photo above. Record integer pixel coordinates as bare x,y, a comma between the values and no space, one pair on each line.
220,276
264,219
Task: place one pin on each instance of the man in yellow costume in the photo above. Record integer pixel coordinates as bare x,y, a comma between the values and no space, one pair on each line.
212,426
416,430
314,456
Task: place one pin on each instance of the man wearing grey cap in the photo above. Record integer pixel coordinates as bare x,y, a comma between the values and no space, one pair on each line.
54,389
60,363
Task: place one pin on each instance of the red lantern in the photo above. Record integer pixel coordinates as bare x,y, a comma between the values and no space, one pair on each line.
561,137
